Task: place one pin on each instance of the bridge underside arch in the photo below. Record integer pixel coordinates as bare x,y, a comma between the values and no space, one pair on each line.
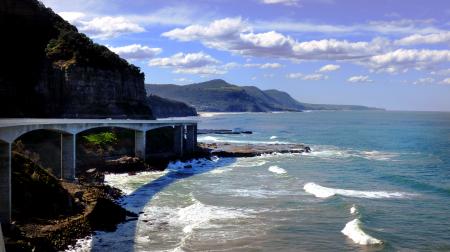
44,147
96,145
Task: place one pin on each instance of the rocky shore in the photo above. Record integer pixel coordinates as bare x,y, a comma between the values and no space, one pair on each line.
251,150
87,205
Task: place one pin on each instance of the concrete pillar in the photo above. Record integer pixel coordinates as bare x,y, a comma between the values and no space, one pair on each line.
5,182
191,138
140,144
2,241
178,139
68,156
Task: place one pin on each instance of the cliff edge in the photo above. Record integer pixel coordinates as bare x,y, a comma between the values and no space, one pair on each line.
52,70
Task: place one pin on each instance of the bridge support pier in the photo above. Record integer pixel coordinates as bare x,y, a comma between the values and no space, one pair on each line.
68,156
191,138
178,139
140,144
5,182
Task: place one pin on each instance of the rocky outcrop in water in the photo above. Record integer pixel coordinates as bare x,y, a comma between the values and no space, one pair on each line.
52,70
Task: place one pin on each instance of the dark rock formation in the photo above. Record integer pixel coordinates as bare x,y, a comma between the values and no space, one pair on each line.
51,70
163,108
251,150
50,214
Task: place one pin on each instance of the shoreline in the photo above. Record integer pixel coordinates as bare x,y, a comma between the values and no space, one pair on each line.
100,199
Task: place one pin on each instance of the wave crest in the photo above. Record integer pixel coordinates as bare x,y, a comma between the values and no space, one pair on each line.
277,169
326,192
353,230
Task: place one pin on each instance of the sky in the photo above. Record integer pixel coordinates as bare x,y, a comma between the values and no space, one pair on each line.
392,54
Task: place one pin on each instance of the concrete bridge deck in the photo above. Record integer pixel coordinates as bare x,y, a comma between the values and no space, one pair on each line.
185,140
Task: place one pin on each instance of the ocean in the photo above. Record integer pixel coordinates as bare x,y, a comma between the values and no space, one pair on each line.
375,181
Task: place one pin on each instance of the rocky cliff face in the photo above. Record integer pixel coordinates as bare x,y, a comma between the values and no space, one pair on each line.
89,92
163,108
51,70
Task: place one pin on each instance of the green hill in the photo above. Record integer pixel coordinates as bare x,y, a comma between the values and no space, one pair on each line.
220,96
163,107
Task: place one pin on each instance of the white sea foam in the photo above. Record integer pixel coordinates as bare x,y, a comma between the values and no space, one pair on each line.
353,210
273,137
326,192
277,170
215,158
127,183
353,230
249,162
199,215
208,139
220,171
217,139
259,193
332,152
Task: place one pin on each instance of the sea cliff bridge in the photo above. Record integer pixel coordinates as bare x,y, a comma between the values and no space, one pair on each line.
184,141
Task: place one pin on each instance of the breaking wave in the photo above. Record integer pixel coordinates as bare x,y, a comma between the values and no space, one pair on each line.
331,152
354,231
215,139
326,192
277,170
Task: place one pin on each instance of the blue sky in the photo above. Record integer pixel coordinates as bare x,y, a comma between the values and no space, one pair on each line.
392,54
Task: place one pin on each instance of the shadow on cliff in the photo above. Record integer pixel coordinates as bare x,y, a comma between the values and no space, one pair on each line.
123,238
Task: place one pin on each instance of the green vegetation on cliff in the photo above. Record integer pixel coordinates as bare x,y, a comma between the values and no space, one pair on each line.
220,96
52,70
163,108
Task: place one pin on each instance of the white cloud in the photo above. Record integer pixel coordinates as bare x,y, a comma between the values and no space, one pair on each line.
219,29
403,26
230,65
271,65
136,51
315,77
417,39
442,72
264,66
108,27
359,79
395,27
283,2
188,60
445,81
190,63
72,16
181,14
182,80
308,77
402,60
294,75
329,68
426,80
235,36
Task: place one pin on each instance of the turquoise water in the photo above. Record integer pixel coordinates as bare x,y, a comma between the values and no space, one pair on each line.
391,169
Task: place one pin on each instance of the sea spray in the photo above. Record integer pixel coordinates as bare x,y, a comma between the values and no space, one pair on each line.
353,230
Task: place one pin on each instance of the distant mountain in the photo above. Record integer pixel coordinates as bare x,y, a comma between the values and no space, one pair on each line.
220,96
163,107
